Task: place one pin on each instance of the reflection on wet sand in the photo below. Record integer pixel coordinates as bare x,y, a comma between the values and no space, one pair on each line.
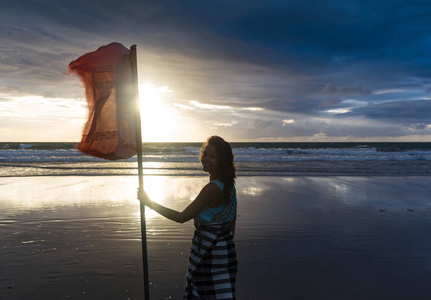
297,237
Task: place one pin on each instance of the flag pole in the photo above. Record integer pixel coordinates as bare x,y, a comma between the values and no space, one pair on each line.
140,173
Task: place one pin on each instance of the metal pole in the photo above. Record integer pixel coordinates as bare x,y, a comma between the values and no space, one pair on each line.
140,173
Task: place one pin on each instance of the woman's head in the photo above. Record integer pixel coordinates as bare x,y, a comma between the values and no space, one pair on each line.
225,168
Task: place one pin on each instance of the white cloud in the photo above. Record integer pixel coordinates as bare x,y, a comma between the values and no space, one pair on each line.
253,108
290,121
183,106
40,108
338,111
230,124
389,91
197,104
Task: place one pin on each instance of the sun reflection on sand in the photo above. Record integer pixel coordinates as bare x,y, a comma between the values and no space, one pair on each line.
37,192
173,192
155,189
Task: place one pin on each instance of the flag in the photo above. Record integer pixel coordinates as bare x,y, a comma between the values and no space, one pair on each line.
107,76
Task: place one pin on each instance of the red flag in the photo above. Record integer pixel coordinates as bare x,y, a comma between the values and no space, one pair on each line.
107,76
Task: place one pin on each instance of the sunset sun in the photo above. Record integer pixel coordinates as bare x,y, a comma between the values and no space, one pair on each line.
157,117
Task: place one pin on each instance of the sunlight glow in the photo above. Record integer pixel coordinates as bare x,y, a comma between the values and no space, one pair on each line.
157,117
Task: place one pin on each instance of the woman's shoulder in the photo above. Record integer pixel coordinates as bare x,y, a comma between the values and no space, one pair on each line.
212,188
217,183
213,194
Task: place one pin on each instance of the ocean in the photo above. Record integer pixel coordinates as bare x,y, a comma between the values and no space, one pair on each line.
252,159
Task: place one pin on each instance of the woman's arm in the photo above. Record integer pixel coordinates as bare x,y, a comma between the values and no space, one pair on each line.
209,194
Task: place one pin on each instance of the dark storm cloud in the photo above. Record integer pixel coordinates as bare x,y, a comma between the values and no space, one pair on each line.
330,89
303,37
412,111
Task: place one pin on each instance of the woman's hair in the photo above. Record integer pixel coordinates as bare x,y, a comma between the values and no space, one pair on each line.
225,163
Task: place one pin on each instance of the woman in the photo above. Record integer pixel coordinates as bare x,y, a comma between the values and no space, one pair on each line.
212,262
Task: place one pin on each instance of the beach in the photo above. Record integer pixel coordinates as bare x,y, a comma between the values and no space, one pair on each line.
303,237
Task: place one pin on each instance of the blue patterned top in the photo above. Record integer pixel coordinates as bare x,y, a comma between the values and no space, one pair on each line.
225,212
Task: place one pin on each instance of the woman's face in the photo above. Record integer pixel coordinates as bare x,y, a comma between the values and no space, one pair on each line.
209,159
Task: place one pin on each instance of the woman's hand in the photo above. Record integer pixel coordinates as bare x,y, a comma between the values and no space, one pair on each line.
209,194
143,197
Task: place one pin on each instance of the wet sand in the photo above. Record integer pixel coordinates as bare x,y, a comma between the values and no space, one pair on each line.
78,237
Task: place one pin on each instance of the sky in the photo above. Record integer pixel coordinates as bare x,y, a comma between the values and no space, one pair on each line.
300,71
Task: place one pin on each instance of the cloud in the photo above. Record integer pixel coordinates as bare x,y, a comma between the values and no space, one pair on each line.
287,122
400,111
262,63
345,90
330,103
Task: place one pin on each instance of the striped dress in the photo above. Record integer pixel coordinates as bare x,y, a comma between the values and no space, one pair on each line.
212,262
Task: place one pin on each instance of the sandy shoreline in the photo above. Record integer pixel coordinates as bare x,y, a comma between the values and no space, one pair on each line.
297,238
